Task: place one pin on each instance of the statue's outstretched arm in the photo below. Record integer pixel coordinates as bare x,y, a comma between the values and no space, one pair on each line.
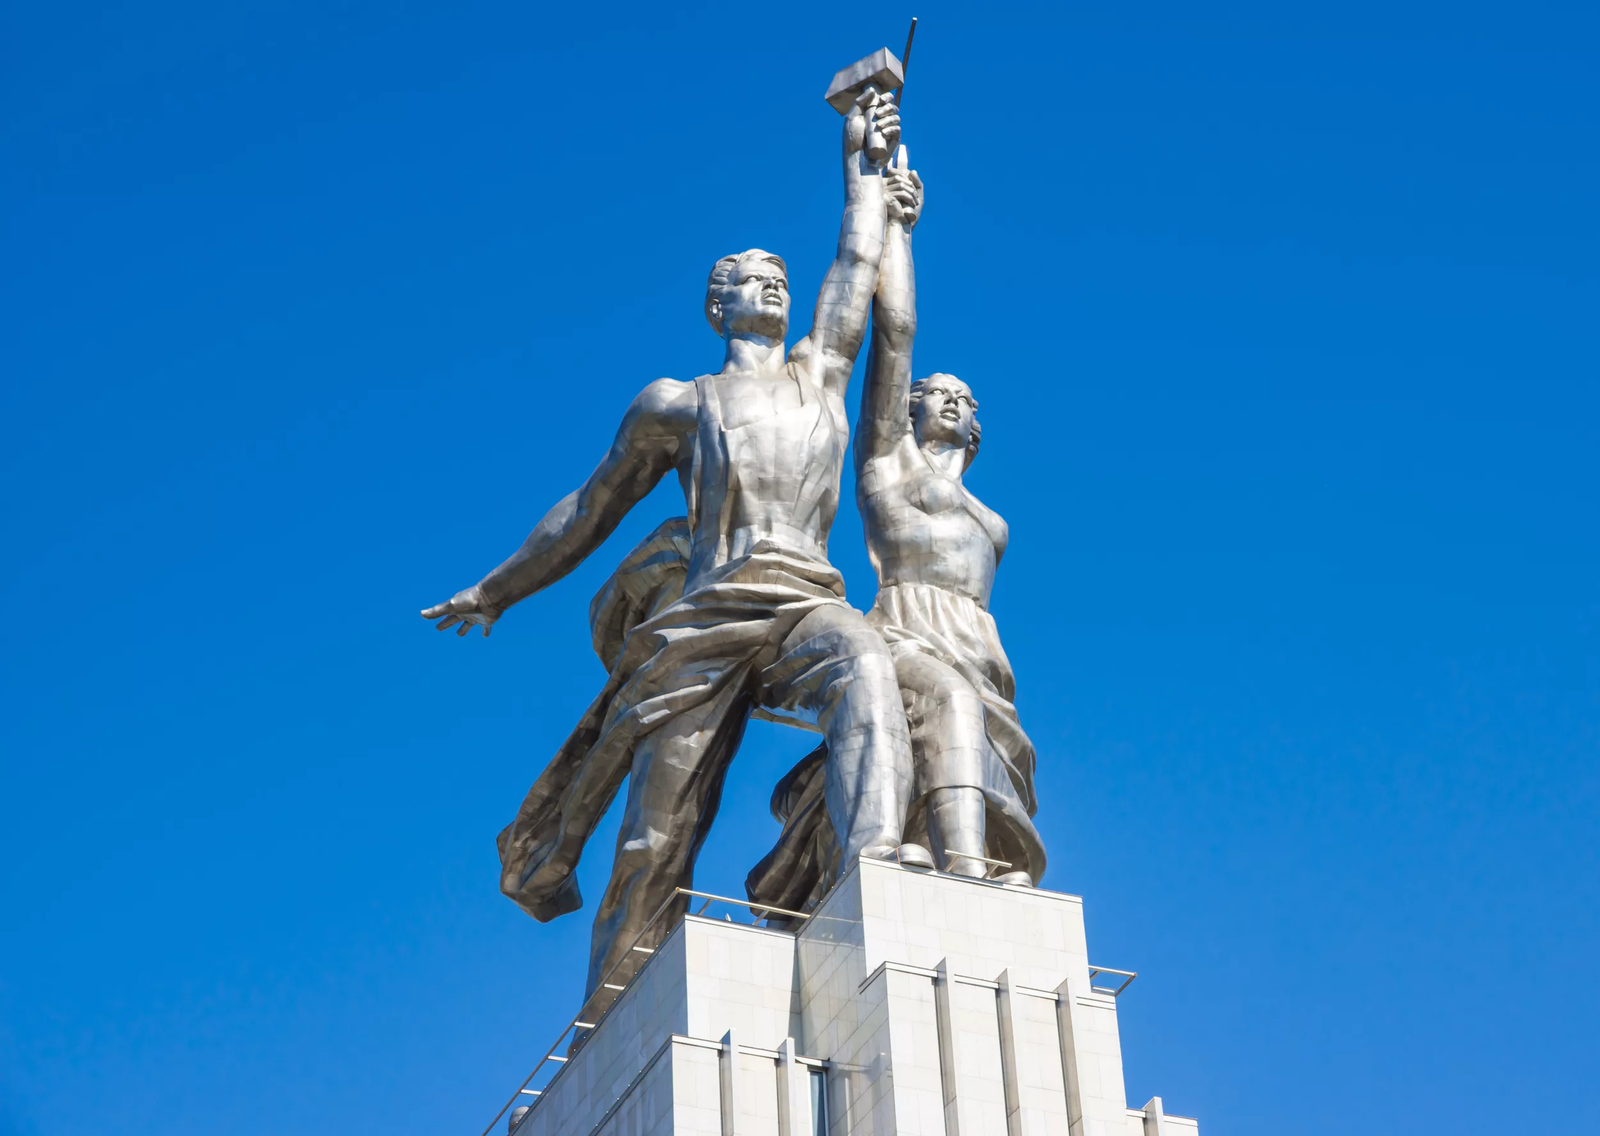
645,448
886,398
830,350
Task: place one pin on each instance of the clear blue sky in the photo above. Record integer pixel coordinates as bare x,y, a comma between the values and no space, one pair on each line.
1284,323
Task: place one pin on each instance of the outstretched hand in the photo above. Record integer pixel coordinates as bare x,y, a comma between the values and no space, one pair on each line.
464,611
904,196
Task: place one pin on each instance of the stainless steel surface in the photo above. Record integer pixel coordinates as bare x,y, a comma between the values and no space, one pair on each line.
880,69
756,620
875,74
905,64
935,548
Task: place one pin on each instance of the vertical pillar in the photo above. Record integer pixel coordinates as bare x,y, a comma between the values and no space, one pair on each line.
1091,1061
794,1094
728,1081
944,1015
1155,1118
1010,1071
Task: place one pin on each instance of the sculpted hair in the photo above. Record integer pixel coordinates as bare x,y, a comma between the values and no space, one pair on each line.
920,387
722,274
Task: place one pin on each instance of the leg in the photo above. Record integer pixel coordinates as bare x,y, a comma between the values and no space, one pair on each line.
955,829
949,745
834,663
674,788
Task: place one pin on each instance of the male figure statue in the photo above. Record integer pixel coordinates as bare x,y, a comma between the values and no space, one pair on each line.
758,448
935,548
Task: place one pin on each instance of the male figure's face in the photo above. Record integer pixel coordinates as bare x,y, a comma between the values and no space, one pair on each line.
945,412
756,300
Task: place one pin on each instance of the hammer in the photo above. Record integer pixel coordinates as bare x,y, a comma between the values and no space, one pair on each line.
878,72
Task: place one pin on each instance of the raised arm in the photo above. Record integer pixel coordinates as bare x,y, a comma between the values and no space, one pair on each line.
886,398
830,350
646,447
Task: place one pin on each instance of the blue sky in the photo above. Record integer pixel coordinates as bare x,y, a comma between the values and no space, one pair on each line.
1283,320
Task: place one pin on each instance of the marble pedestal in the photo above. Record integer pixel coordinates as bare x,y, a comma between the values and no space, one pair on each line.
911,1004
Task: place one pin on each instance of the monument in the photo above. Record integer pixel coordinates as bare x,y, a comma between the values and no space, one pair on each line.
909,975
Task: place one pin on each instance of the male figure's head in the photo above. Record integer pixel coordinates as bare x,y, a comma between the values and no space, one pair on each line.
944,411
748,294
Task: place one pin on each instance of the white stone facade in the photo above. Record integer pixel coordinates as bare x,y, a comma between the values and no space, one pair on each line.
911,1004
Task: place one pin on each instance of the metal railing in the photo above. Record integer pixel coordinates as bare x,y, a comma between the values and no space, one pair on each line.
988,872
1127,976
607,984
577,1023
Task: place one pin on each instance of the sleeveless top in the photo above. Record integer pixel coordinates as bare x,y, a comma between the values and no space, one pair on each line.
732,461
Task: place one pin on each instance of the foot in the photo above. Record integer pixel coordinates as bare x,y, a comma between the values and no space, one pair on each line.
914,856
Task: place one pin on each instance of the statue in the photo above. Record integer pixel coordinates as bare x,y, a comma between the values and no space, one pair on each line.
761,621
935,548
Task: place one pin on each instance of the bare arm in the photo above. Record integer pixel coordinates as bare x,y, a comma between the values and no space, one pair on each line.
829,351
886,399
645,448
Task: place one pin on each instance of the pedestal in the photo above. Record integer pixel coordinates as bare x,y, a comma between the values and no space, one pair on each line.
911,1004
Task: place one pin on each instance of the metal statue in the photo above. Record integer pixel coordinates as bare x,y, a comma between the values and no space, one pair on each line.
761,621
935,547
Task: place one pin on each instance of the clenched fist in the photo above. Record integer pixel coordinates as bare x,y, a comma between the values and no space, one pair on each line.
903,192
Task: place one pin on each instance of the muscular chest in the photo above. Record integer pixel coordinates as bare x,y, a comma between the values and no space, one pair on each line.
746,404
769,422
